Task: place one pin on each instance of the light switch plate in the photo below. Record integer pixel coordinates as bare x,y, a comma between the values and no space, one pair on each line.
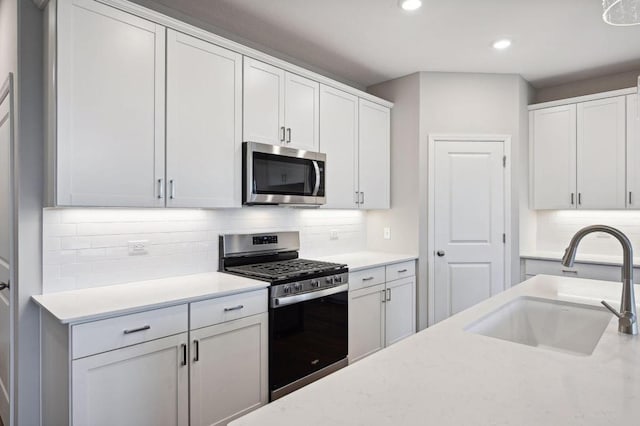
333,234
387,233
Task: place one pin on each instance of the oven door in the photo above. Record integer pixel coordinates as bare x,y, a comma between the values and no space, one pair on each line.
278,175
307,339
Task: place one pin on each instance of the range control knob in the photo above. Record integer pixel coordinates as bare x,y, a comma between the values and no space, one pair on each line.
315,284
297,286
286,289
337,279
329,280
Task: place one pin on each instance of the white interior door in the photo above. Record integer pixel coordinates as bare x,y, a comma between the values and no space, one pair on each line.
469,223
6,247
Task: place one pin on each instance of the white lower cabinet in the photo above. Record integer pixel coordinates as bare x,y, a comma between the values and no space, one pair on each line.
150,369
144,384
380,313
229,370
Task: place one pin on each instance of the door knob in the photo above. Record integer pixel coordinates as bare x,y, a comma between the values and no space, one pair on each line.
440,253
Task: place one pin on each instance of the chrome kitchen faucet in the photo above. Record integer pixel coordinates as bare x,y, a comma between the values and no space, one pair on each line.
627,318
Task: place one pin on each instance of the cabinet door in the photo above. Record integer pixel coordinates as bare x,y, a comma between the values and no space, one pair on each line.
366,321
302,112
228,370
633,152
263,103
339,141
601,154
401,310
111,79
204,123
144,384
553,157
374,164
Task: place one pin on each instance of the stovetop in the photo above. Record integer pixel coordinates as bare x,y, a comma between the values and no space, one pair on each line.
285,269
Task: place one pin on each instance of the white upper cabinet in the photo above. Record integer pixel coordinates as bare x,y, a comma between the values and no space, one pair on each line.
633,152
553,157
110,107
204,123
263,117
339,141
374,155
601,154
280,108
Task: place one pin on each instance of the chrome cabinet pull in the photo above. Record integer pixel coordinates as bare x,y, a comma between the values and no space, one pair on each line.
183,346
401,271
282,134
388,295
289,135
579,198
362,198
172,185
135,330
630,198
160,189
569,271
384,298
355,198
196,350
367,279
235,308
572,195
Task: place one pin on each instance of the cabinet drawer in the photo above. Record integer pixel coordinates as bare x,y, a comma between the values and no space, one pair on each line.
366,278
400,270
222,309
113,333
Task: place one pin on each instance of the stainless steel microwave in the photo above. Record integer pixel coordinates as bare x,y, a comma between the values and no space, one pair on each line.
277,175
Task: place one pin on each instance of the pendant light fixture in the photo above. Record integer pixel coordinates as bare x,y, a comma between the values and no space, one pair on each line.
621,12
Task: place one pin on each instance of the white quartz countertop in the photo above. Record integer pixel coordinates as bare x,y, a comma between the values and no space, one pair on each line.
95,303
367,259
597,259
446,376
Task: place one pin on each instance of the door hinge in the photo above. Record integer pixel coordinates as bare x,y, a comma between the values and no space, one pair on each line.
504,238
504,161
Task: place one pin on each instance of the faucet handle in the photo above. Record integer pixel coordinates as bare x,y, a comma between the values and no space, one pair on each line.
613,310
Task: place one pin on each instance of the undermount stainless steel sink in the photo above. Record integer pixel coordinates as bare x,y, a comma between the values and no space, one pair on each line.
550,324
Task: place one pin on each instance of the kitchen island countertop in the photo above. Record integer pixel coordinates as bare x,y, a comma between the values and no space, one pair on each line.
447,376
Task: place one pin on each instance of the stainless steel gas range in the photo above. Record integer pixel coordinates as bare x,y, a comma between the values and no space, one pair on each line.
308,306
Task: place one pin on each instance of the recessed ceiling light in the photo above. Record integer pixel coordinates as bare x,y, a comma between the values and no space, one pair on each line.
502,44
410,4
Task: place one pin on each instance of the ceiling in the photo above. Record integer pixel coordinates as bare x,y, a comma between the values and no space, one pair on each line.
370,41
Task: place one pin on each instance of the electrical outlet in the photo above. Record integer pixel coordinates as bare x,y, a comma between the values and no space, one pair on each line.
387,233
138,247
333,234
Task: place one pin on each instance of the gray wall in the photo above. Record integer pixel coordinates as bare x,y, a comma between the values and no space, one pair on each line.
588,86
454,103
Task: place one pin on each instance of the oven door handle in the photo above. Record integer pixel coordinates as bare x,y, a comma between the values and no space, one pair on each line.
288,300
317,186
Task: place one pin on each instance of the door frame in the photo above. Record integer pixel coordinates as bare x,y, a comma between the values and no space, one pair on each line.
433,138
7,93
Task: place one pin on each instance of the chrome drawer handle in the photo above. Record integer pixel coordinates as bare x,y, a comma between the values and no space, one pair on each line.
235,308
367,279
135,330
402,271
569,271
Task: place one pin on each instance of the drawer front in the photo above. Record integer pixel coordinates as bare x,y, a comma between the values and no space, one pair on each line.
366,278
579,270
113,333
227,308
401,270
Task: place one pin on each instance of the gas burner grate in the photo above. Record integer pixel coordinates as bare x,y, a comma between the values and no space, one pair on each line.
284,269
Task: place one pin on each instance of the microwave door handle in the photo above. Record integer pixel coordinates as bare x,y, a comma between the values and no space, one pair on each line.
316,188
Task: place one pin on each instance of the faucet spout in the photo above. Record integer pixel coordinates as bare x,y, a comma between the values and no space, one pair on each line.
627,323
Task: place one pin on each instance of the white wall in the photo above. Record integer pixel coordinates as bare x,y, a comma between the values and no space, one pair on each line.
88,247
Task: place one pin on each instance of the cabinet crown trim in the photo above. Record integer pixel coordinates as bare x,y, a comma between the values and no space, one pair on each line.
585,98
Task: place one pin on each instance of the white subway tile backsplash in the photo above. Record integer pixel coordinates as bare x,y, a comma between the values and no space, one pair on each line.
89,247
